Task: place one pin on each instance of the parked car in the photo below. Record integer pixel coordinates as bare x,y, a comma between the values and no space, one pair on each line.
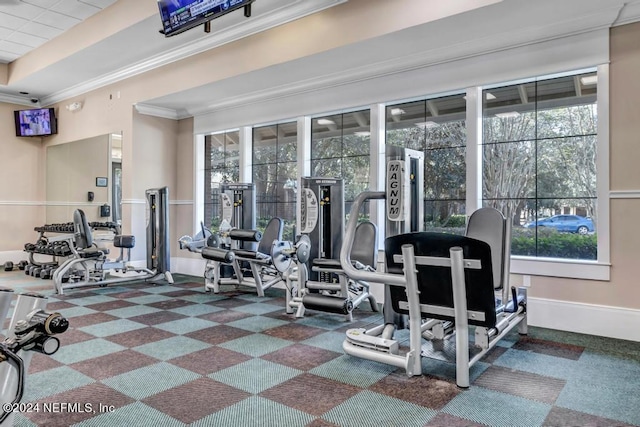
568,223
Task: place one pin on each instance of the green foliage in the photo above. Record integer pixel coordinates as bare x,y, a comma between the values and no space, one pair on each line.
553,244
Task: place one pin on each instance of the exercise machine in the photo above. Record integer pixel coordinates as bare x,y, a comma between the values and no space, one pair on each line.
445,284
88,264
31,328
325,287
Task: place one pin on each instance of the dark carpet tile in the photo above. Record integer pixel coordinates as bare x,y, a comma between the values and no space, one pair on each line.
310,393
218,334
519,383
229,302
294,332
561,417
209,360
157,317
319,422
139,337
110,305
189,285
88,398
41,362
493,354
113,364
446,420
301,357
196,399
427,391
59,305
134,293
169,304
90,319
182,293
224,316
73,336
280,315
567,351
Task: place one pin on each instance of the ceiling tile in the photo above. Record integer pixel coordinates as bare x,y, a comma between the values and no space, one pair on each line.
75,9
26,39
15,48
99,3
42,3
57,20
20,9
12,22
41,30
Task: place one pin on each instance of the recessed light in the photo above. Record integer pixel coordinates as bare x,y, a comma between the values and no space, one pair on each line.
427,125
508,115
397,111
589,80
326,122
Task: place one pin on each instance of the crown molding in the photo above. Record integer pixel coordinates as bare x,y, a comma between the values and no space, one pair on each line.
18,100
151,110
629,13
274,18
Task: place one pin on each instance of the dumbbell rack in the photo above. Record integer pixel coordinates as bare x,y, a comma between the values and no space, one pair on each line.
57,247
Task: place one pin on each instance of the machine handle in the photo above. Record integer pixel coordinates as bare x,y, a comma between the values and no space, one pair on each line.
347,245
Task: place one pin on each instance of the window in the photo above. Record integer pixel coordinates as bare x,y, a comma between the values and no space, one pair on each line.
221,165
539,162
436,127
340,148
275,174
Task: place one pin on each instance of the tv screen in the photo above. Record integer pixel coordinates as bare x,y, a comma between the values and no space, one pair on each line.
38,122
181,15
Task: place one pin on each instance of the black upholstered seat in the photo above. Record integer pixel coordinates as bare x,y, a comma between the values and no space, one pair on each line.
435,282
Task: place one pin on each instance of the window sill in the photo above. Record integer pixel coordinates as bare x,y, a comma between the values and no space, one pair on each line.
573,269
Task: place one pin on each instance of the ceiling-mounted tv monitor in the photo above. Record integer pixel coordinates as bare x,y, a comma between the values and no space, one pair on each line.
181,15
38,122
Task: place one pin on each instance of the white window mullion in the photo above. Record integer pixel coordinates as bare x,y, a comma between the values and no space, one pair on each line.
377,166
246,153
304,159
602,165
474,149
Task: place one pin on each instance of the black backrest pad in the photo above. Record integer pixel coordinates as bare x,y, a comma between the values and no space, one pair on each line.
435,282
273,231
365,244
81,230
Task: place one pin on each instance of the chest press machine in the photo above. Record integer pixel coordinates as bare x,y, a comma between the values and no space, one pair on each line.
88,265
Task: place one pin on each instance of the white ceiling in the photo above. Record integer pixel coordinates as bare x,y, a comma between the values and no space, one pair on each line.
28,24
140,48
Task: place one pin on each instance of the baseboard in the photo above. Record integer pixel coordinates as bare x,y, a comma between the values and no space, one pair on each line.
592,319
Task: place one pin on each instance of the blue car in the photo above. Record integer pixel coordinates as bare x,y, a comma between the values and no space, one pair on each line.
568,223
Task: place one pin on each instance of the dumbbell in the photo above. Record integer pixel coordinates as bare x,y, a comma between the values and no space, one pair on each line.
9,265
47,272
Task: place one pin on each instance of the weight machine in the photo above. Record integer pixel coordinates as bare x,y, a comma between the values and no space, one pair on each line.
326,287
31,328
88,265
444,283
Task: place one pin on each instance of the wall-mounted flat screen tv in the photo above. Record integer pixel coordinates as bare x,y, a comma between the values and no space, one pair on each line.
180,15
37,122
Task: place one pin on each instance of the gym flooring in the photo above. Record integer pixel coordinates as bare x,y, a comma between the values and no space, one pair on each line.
140,354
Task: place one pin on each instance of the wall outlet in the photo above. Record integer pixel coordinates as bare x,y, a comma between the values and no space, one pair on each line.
526,281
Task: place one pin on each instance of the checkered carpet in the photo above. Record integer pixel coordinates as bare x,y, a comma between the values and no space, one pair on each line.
153,355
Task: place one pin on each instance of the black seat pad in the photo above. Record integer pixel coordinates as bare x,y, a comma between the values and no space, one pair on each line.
435,282
243,253
327,263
